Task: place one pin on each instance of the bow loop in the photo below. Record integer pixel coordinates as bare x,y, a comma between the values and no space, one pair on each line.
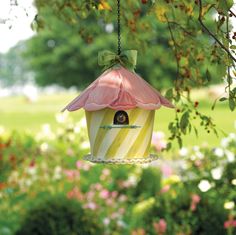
109,59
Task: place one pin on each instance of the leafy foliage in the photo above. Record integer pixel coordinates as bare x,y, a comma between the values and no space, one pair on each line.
59,216
190,192
185,45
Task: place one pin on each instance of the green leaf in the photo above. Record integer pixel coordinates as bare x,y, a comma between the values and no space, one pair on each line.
196,131
214,104
180,142
225,5
169,145
222,99
208,75
184,121
231,104
169,94
233,47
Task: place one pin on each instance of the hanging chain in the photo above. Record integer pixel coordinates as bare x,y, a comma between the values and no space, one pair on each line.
118,28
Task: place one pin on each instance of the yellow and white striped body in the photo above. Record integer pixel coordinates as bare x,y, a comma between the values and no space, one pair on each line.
119,143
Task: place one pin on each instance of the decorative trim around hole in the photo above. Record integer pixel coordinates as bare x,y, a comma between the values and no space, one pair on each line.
108,127
93,159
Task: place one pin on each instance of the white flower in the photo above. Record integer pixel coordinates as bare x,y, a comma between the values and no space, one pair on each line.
233,182
46,129
219,152
77,129
199,155
28,182
62,117
109,28
229,205
106,221
57,173
196,148
85,145
132,180
32,170
2,130
224,142
121,223
183,152
192,157
232,136
44,147
204,185
58,169
217,173
230,156
83,122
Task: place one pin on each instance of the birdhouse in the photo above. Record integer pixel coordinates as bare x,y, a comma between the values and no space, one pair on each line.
120,108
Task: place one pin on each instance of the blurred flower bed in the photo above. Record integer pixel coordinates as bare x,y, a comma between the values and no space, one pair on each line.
191,192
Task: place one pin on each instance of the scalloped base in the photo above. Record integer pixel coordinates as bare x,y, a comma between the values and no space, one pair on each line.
149,159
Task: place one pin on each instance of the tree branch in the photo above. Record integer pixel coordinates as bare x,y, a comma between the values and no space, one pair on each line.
211,34
175,47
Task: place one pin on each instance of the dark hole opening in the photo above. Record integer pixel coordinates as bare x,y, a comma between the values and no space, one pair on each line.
121,118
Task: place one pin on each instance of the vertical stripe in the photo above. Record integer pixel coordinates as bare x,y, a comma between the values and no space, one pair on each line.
107,119
111,152
133,150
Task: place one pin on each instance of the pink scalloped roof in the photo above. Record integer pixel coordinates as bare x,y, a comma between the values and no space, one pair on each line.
118,89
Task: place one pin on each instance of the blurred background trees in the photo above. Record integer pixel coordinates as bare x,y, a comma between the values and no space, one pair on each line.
182,45
173,47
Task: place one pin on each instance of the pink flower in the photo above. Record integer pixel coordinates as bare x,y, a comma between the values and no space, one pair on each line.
198,163
104,194
166,170
79,164
122,198
114,215
195,200
70,152
106,221
98,186
90,195
230,223
106,172
158,141
193,207
91,206
109,202
165,189
121,210
114,194
160,227
86,167
75,193
71,174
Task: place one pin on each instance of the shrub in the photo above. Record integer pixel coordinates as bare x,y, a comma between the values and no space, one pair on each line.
59,216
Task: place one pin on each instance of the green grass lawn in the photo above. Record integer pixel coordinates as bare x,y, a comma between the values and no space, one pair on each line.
18,114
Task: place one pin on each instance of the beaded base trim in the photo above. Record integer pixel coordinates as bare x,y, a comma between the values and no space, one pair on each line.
149,159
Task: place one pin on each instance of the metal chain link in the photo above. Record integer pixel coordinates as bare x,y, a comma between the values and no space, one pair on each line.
118,28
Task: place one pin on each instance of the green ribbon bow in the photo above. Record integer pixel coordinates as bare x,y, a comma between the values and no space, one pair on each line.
126,59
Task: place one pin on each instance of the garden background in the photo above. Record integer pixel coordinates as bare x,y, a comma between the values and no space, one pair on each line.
45,186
